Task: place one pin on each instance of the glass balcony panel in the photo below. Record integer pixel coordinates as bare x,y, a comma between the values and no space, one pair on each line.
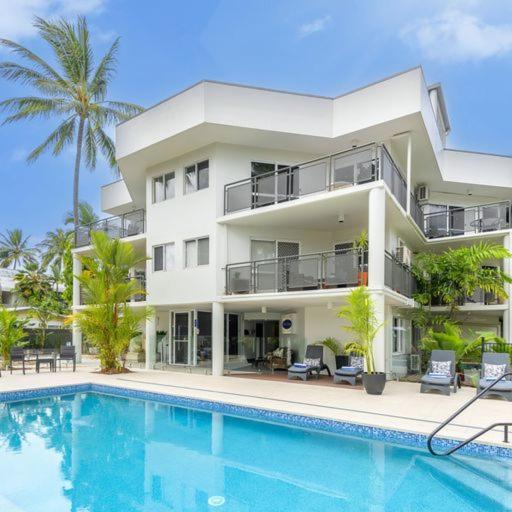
303,273
264,190
268,276
311,178
133,223
239,279
239,197
342,269
494,217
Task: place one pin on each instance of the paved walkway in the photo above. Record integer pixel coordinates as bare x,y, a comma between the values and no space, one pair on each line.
401,407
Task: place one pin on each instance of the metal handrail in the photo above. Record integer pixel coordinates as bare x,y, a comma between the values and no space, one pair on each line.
478,434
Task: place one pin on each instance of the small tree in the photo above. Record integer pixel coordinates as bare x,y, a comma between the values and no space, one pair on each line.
11,333
363,325
108,321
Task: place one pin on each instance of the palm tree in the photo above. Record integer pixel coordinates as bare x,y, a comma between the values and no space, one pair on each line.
108,321
54,246
86,215
15,250
76,94
11,333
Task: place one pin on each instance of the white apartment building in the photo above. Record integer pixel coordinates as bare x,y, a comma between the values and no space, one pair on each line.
248,201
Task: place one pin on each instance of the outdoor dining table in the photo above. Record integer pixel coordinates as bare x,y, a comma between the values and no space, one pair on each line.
42,357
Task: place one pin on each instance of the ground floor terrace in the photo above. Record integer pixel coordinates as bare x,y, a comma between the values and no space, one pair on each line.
266,333
401,407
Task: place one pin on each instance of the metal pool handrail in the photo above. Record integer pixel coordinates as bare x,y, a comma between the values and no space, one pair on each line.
503,424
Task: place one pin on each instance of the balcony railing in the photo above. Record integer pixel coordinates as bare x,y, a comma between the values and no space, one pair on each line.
398,276
469,220
349,168
297,273
120,226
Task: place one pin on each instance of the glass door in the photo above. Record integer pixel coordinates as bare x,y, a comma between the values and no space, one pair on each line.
181,338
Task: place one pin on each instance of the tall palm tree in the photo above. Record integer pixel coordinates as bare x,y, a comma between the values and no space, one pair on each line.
75,93
15,250
86,215
54,246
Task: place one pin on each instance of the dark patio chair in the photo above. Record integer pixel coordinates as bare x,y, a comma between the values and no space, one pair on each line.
351,372
433,380
17,356
503,388
303,371
67,353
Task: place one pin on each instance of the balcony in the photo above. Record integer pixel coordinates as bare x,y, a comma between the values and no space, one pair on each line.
347,169
120,226
315,271
398,277
467,221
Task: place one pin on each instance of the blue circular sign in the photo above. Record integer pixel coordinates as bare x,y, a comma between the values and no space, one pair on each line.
287,323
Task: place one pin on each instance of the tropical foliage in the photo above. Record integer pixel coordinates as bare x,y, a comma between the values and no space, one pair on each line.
86,215
11,333
74,91
449,277
362,325
451,338
34,287
15,250
108,322
332,344
53,247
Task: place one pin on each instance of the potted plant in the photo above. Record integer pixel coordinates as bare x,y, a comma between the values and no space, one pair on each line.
363,326
361,247
333,345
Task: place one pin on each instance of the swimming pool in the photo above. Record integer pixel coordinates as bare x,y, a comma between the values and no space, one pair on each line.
94,452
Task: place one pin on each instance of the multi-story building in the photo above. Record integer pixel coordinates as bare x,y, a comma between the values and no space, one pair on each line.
248,202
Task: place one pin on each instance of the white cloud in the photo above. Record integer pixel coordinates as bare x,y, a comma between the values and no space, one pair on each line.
458,36
314,26
18,15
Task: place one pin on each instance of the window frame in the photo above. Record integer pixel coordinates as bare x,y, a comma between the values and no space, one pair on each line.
165,267
163,177
398,334
196,176
196,242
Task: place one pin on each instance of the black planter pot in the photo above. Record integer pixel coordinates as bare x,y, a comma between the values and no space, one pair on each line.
341,361
374,383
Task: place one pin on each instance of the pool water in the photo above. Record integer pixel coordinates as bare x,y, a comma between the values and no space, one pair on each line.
96,453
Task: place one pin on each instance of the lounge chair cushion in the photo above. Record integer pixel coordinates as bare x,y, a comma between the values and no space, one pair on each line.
493,371
444,367
502,385
346,370
299,369
439,381
312,363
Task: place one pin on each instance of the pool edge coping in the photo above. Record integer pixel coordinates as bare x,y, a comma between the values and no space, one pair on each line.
325,425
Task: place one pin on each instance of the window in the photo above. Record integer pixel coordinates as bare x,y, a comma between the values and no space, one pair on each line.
197,252
259,168
163,257
164,187
400,335
197,177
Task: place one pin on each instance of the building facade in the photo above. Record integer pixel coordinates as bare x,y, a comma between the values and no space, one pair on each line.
248,202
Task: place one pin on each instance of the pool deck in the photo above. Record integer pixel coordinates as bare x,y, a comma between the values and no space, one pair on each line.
401,407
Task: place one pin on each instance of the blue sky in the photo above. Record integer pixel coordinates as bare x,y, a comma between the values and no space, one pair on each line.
322,47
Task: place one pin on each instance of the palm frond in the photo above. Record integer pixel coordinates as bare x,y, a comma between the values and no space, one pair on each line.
61,137
31,107
104,72
90,145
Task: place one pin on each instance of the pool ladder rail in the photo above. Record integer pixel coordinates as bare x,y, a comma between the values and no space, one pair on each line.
458,446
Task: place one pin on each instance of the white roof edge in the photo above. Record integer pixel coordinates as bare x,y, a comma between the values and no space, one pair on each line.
268,89
484,153
440,95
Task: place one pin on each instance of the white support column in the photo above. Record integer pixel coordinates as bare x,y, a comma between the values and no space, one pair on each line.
507,314
77,334
217,338
379,345
409,171
150,346
376,237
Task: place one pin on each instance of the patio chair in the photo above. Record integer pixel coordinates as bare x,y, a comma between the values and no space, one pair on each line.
493,365
313,362
280,358
67,353
351,372
17,355
441,373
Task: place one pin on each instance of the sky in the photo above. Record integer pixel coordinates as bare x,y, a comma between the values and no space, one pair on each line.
317,46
